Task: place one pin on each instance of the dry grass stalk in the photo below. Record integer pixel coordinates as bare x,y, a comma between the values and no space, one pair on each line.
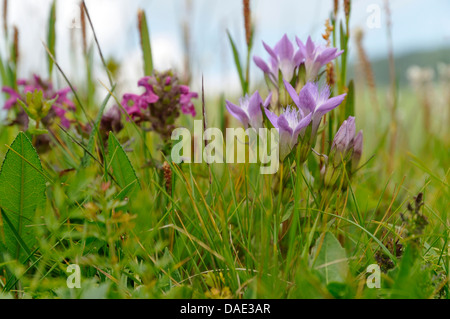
330,66
83,26
248,21
167,177
335,8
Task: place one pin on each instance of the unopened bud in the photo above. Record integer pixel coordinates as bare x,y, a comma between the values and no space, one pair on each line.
357,149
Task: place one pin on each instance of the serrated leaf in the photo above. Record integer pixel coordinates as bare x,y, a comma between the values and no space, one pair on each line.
329,259
121,167
22,190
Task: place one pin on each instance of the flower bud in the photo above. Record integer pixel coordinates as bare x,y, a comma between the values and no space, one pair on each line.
357,150
343,141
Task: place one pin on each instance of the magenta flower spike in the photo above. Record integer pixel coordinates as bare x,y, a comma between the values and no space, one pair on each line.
249,110
60,106
290,124
282,58
315,100
316,56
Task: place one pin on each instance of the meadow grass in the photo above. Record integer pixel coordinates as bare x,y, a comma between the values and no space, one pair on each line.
225,230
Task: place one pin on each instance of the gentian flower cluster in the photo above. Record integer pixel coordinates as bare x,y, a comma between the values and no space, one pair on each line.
284,59
60,106
297,120
161,102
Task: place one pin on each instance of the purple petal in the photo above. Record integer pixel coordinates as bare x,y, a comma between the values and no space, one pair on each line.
273,118
302,47
292,93
65,122
270,51
184,89
144,82
298,58
133,111
284,48
283,125
261,64
331,104
60,112
254,106
268,100
327,56
10,103
308,97
310,47
302,124
188,109
238,113
10,91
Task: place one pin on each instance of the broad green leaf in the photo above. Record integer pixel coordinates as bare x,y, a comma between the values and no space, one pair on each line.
122,170
145,43
329,259
22,190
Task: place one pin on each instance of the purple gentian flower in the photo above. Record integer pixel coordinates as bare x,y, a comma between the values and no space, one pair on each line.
344,142
316,56
290,124
313,100
282,58
249,110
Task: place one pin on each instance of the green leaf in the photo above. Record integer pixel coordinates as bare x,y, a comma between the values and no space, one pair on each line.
51,36
329,259
145,43
122,170
350,103
22,190
238,63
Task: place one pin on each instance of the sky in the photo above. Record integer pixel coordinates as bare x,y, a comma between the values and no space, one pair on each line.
416,25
